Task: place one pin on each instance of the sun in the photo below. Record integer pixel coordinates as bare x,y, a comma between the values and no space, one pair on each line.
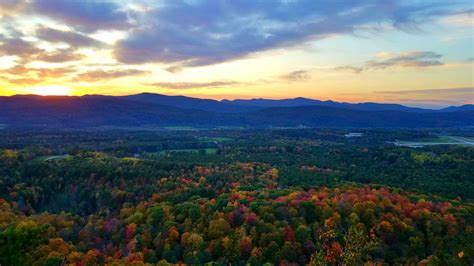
50,90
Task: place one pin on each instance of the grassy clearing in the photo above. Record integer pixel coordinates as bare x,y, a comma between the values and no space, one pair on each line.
442,140
218,139
206,151
180,128
229,127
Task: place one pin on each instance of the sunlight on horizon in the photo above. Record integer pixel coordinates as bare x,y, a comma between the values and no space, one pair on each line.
51,91
94,47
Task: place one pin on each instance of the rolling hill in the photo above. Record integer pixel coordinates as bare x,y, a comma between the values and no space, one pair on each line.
267,103
160,110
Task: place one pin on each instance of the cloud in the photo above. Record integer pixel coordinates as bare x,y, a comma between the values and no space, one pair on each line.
74,39
468,92
174,69
196,33
60,56
463,18
298,75
88,15
98,75
432,98
12,7
28,51
17,70
406,59
18,47
22,81
22,74
353,69
54,72
192,85
428,103
415,59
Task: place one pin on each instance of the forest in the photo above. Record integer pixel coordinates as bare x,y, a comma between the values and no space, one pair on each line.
235,196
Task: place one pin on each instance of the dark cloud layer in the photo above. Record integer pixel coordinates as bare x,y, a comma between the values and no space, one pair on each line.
194,33
12,7
202,32
27,51
59,56
88,15
18,47
72,38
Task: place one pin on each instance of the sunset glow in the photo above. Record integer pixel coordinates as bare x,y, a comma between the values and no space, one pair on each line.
236,132
50,91
272,50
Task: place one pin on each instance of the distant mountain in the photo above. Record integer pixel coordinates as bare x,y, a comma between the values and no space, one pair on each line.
186,102
266,103
152,110
322,116
91,111
466,107
257,104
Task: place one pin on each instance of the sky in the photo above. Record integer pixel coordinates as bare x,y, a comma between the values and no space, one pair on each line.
414,52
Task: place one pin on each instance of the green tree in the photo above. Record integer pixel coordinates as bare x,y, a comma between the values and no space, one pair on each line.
17,241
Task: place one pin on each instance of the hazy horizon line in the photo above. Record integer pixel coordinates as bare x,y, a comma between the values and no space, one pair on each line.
222,100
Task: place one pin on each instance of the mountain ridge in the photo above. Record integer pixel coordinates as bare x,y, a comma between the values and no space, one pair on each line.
253,104
140,111
301,101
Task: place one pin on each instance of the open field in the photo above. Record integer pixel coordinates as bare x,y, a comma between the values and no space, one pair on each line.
207,151
217,139
442,140
180,128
